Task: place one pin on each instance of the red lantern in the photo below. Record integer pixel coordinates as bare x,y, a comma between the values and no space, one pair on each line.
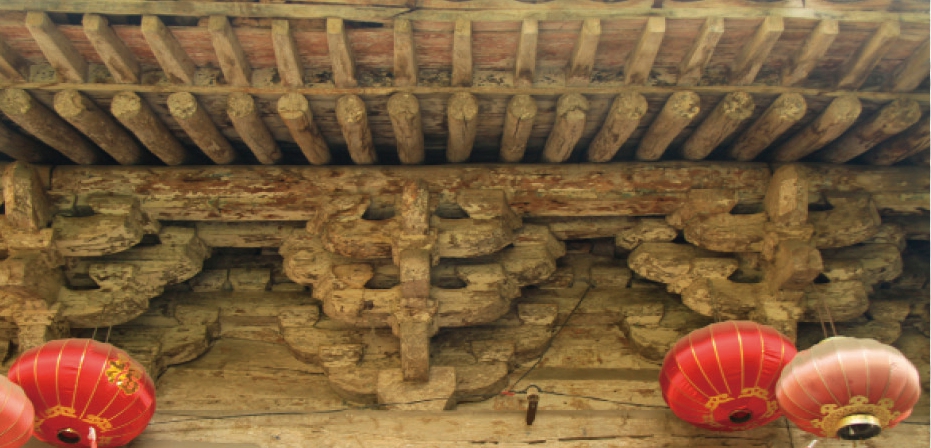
849,388
16,415
80,385
722,377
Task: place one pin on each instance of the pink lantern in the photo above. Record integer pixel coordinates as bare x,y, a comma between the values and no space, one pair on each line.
16,415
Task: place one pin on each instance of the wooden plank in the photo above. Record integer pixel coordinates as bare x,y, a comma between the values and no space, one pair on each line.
833,121
294,110
405,54
808,55
22,148
623,117
640,61
518,122
290,69
29,114
911,142
462,119
462,54
856,69
344,66
251,129
677,113
98,126
754,53
571,111
13,67
137,116
404,111
233,62
911,72
353,121
720,124
171,57
693,64
525,62
893,118
198,125
582,59
121,62
785,111
58,50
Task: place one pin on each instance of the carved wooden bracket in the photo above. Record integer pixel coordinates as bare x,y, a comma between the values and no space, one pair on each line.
118,223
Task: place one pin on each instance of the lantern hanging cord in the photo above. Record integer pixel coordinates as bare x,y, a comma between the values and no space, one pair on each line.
824,329
109,329
824,304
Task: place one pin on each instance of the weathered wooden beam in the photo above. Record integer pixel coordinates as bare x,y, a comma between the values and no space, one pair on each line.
893,118
404,111
785,111
294,110
680,109
462,54
525,62
22,148
290,68
640,61
137,116
855,70
245,118
344,66
726,117
20,107
233,62
13,67
808,55
755,52
98,126
405,54
350,112
121,62
912,141
693,64
571,110
833,121
177,65
623,117
518,122
58,50
582,58
911,72
198,125
462,118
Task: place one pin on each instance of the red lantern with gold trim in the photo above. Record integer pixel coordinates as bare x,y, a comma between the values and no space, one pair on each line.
16,415
77,385
849,388
722,377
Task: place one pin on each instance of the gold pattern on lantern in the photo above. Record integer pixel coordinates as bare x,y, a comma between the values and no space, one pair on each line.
54,411
717,400
859,404
120,372
100,422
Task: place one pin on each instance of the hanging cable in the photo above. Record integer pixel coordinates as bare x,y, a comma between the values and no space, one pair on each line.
109,329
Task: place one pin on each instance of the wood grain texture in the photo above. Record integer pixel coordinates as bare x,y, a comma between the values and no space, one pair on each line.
233,62
807,56
693,64
24,110
755,52
462,54
784,112
353,121
404,111
623,118
893,118
341,58
640,61
294,110
58,50
721,123
244,115
912,71
462,119
525,62
405,54
856,69
571,111
13,67
122,63
98,126
290,68
167,51
676,114
198,125
518,123
22,148
914,140
830,124
582,59
137,116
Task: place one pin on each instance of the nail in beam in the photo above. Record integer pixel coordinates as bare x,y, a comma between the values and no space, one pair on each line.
623,117
51,129
785,111
121,62
171,57
58,50
911,142
404,111
351,115
733,109
680,109
567,130
294,110
245,118
195,121
133,112
893,118
518,122
462,116
98,126
833,121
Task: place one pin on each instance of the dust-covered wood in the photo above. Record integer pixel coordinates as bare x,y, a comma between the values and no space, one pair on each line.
754,53
693,64
137,116
830,124
58,50
405,54
525,62
462,119
354,123
22,148
912,71
640,61
198,125
168,52
582,58
290,68
462,54
858,66
404,111
912,141
623,118
676,114
721,123
893,118
233,62
811,51
24,110
341,58
294,110
13,67
98,125
118,58
245,118
785,111
571,111
518,122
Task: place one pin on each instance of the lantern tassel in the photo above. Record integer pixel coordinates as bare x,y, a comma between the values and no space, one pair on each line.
92,437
